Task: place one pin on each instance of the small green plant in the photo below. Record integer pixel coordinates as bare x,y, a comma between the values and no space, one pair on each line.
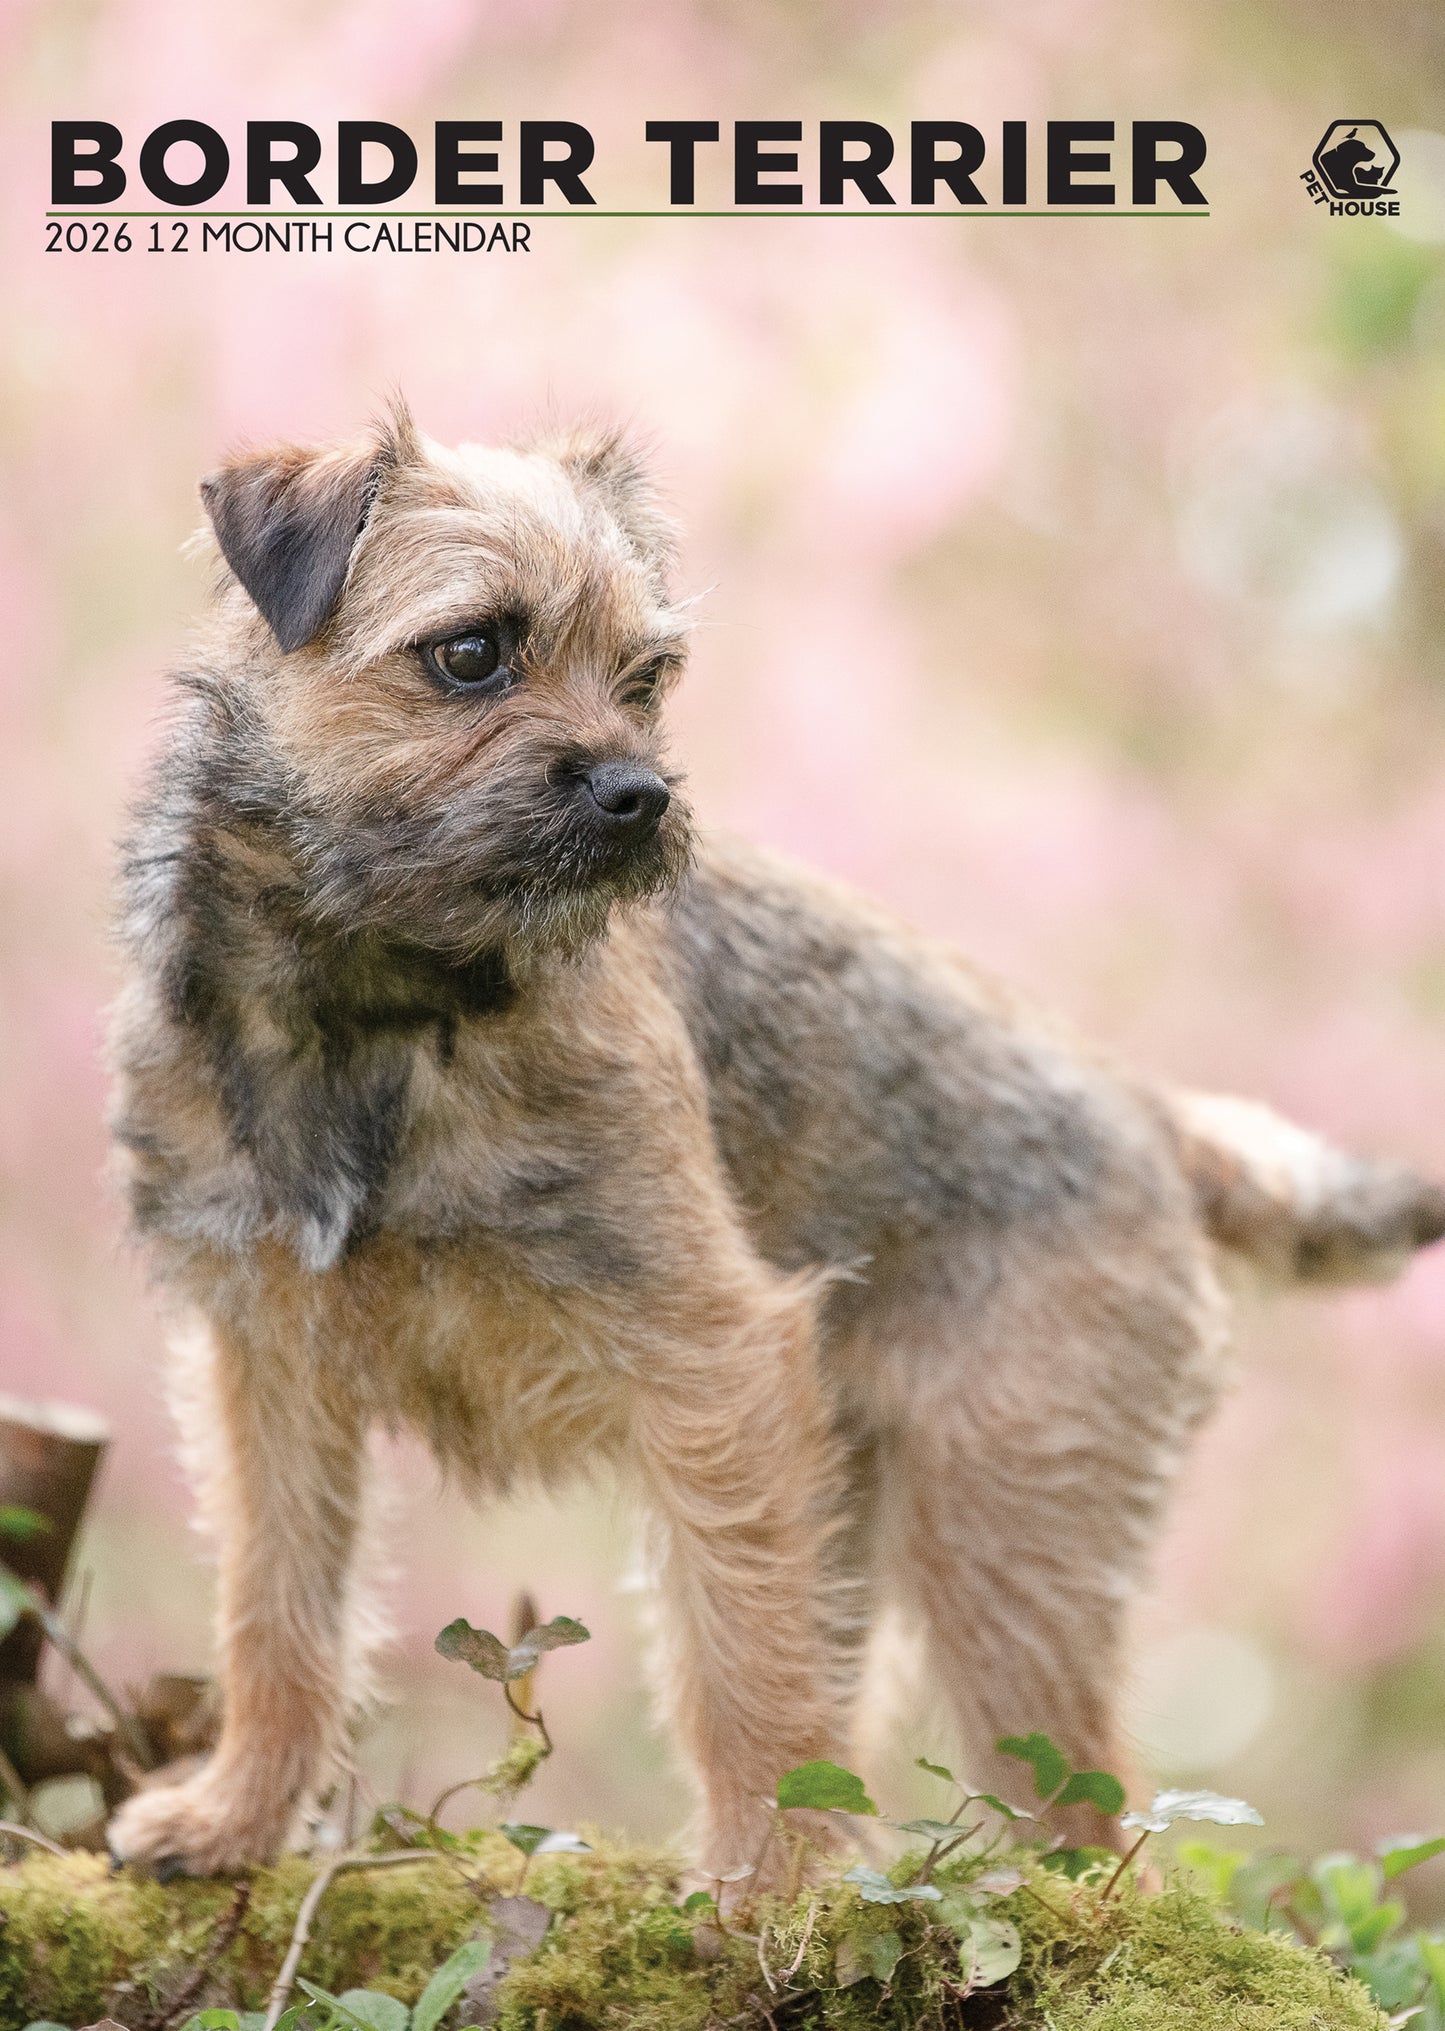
541,1840
984,1893
1340,1903
356,2009
506,1665
989,1948
20,1524
1055,1783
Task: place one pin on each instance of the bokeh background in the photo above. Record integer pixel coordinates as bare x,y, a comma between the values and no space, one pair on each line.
1074,586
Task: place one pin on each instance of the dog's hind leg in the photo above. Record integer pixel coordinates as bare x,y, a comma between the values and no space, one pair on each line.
1029,1454
278,1448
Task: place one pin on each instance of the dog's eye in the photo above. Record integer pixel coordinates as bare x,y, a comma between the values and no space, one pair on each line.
643,685
472,658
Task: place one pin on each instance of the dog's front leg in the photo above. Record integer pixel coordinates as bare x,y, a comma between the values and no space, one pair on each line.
736,1460
277,1444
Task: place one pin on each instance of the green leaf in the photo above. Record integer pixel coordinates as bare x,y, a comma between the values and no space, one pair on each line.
957,1909
884,1951
448,1982
1170,1806
698,1900
935,1769
1350,1887
1432,1954
527,1838
553,1635
875,1888
216,2020
1258,1885
1076,1863
1371,1931
826,1787
1351,1892
544,1840
14,1601
1093,1787
1407,1852
365,2009
561,1843
1395,1976
488,1655
1000,1881
373,2011
931,1829
1217,1866
317,1995
22,1524
997,1805
484,1652
849,1965
997,1950
1051,1770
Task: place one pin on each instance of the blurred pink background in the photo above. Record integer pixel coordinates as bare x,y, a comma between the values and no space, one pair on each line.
1073,586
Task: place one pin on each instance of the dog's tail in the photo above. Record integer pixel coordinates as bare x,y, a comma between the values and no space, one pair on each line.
1292,1204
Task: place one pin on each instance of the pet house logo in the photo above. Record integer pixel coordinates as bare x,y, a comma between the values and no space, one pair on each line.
1354,170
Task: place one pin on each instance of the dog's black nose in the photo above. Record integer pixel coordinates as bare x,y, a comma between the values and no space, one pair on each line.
628,795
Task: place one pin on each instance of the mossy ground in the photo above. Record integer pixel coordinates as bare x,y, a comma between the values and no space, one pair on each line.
77,1942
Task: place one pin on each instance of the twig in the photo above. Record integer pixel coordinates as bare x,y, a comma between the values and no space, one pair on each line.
941,1850
1048,1904
1125,1860
25,1833
1302,1926
727,1931
522,1715
286,1979
221,1938
15,1784
76,1623
443,1797
803,1947
763,1964
126,1725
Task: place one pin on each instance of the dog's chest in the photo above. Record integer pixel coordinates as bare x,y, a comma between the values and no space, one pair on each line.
438,1135
522,1157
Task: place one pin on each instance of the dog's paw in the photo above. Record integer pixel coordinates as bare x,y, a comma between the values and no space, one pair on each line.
194,1829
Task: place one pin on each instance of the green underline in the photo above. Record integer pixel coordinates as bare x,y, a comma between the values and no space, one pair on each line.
677,212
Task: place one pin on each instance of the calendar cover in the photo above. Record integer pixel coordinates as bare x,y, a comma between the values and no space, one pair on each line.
724,760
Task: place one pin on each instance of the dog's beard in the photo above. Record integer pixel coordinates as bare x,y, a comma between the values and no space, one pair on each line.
570,881
462,886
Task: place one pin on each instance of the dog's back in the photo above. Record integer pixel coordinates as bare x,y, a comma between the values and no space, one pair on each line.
869,1088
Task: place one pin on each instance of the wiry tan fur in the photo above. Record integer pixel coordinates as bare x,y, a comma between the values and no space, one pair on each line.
444,1107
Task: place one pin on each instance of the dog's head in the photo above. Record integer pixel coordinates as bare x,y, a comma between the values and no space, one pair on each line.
454,661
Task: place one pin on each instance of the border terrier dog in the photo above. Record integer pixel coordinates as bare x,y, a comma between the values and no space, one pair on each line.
460,1088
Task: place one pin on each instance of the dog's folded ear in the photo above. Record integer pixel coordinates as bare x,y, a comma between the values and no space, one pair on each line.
287,522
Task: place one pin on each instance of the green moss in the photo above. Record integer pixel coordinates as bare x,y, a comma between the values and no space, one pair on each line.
76,1942
1169,1962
